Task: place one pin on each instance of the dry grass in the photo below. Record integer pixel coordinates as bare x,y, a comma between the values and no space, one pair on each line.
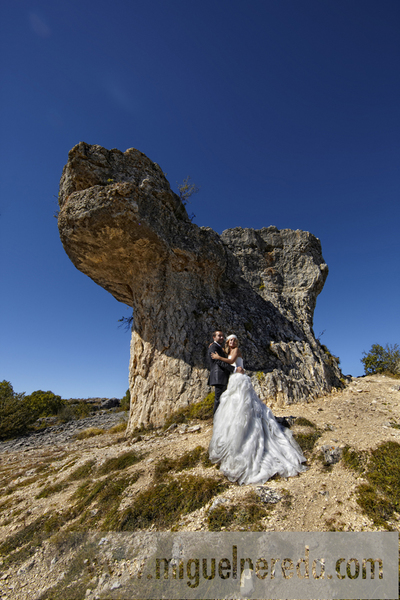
119,428
88,433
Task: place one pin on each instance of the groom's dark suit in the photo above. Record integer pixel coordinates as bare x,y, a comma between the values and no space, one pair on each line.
219,372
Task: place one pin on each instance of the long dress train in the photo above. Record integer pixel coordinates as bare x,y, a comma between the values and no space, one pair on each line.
247,441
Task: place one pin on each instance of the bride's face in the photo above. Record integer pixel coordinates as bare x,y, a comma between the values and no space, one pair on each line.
232,343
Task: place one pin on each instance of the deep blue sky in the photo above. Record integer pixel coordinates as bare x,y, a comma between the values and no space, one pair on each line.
284,112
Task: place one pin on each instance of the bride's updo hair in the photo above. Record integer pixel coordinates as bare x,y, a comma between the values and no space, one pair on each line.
226,349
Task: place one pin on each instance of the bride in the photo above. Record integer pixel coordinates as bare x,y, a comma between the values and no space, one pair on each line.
247,441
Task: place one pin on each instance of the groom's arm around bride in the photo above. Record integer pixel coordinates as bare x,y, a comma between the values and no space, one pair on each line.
219,370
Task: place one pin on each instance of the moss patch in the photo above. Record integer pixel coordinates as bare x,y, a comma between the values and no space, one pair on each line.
353,460
380,497
302,421
221,517
307,440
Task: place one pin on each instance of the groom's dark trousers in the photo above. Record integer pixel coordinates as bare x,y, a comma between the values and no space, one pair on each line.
219,372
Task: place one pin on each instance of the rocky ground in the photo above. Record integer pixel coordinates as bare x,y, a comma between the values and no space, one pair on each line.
45,474
60,434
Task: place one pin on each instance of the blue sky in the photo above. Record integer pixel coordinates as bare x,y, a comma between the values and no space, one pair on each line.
284,112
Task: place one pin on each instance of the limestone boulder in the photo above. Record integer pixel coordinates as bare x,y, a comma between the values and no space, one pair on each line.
122,225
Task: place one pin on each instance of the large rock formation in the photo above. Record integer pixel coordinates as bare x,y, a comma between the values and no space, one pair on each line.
121,225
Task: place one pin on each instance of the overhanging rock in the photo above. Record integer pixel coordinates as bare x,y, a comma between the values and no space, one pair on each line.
121,224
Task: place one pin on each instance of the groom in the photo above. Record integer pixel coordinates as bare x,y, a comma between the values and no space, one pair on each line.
219,370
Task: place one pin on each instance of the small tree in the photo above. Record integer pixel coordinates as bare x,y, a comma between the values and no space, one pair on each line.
380,359
187,189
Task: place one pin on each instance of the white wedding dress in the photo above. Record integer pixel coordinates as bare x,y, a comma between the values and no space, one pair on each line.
247,441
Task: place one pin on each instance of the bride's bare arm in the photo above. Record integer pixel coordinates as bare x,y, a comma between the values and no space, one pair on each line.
231,360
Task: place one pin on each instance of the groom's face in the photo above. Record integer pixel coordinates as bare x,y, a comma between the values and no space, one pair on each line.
219,337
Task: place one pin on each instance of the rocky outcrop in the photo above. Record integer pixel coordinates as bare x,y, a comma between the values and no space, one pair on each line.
121,224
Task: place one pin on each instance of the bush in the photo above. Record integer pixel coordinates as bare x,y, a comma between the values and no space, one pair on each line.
44,404
125,401
7,394
12,411
74,410
18,412
381,360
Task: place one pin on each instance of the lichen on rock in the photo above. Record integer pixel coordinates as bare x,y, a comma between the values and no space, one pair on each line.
122,225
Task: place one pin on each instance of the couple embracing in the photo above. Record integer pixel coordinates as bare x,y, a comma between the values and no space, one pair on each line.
247,442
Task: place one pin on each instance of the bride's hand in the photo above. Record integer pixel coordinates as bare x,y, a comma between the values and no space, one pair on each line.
240,370
215,355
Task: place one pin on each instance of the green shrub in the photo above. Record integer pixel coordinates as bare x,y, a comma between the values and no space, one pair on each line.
44,404
13,412
82,409
74,410
203,410
125,401
381,360
18,412
66,414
